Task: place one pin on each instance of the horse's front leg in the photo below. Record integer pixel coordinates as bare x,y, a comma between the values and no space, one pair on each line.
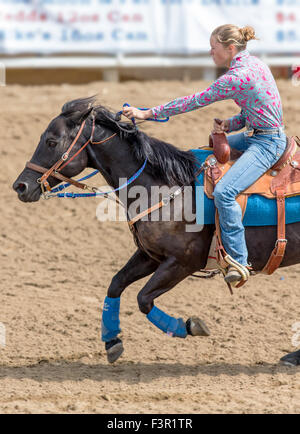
139,265
168,274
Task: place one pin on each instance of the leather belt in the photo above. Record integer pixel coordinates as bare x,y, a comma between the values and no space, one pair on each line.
251,131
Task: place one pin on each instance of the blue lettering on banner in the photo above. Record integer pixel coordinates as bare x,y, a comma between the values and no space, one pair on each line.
26,2
230,2
168,2
38,3
121,35
79,36
64,2
47,2
286,36
66,35
122,2
288,2
171,2
280,35
19,35
214,2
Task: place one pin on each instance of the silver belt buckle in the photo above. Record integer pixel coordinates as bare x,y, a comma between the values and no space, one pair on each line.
249,130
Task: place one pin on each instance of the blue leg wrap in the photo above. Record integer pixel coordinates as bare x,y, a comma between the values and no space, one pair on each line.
110,325
172,326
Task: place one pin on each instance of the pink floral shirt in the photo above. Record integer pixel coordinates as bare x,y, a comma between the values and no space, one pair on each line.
249,82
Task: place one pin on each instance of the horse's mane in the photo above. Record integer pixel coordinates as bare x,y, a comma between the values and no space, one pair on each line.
168,163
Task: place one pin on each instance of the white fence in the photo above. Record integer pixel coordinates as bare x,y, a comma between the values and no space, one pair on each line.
111,65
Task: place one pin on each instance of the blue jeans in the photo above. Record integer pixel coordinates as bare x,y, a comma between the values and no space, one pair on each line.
260,153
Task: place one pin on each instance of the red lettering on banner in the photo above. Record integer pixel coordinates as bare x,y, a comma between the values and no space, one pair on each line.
35,16
32,16
137,18
281,17
117,17
292,17
77,18
20,16
113,16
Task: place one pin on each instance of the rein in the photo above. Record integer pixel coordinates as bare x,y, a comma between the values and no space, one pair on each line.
143,109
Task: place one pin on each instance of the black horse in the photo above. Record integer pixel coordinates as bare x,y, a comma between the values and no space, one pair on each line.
165,248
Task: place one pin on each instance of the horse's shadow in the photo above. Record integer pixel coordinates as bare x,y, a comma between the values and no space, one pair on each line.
134,373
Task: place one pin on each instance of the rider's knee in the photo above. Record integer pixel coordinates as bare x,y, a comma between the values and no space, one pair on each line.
223,194
219,193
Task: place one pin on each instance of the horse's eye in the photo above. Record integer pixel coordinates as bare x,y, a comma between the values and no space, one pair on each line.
51,143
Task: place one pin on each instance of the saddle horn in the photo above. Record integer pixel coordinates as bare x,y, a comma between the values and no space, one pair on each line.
220,145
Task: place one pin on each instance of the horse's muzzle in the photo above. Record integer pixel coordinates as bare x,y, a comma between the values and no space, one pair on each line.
25,192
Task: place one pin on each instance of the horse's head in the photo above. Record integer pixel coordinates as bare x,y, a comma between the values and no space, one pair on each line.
54,142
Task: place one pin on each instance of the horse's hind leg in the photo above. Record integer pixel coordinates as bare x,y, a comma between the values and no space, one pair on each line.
139,265
291,359
167,275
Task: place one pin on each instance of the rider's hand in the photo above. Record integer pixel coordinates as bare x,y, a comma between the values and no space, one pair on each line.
133,112
220,127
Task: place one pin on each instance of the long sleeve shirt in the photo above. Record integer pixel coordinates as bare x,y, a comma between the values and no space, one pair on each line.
249,82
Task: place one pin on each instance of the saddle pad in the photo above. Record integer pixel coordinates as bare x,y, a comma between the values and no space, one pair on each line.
260,211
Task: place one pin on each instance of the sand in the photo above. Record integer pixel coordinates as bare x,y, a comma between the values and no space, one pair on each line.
57,261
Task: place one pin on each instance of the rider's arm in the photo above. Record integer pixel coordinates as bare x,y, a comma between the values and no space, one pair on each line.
237,122
148,114
223,88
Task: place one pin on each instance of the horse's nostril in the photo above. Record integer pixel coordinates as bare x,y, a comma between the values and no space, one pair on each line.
21,188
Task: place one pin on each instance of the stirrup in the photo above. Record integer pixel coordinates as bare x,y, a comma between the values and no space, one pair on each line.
242,270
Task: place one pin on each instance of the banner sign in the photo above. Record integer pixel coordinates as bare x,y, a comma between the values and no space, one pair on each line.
142,26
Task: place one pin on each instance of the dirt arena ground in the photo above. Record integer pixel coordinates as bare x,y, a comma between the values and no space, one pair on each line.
57,261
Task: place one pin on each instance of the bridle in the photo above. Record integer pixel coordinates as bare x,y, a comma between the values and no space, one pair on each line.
54,171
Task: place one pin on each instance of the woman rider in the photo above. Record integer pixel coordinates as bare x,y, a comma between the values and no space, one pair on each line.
250,83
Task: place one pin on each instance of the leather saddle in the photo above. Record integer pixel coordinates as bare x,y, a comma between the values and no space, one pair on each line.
284,174
279,182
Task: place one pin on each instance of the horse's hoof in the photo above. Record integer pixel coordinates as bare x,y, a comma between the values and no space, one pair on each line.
197,327
114,349
291,359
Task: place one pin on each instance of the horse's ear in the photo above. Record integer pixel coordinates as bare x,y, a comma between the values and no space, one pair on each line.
78,117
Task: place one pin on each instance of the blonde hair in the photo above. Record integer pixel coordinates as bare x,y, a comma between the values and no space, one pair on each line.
228,34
